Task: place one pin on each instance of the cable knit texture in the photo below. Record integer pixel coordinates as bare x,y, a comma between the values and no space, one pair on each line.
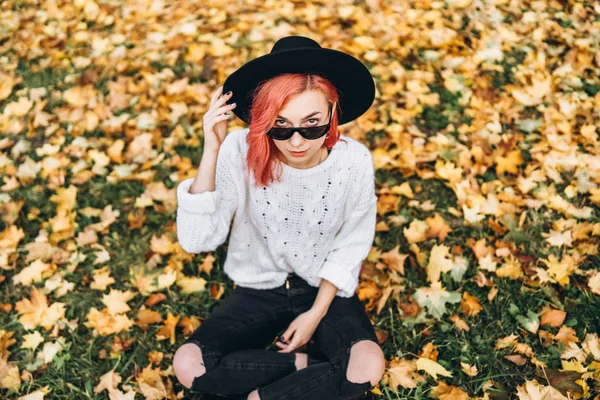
318,222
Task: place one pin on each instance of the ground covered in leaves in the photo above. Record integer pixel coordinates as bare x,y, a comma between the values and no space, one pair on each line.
483,279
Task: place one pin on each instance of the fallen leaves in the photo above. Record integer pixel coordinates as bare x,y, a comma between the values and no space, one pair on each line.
435,299
484,135
36,312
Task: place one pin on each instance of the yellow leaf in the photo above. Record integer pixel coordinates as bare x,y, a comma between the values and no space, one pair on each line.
432,368
533,390
35,312
9,375
438,262
19,108
37,395
106,323
594,283
65,198
167,331
403,373
447,392
191,284
416,232
33,273
32,340
468,369
116,301
470,305
7,83
510,163
102,279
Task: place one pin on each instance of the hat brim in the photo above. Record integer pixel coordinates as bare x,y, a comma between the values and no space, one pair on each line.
351,78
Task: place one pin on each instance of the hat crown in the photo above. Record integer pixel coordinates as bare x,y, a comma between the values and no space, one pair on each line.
294,43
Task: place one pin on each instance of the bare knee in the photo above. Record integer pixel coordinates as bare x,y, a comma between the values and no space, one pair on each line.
188,364
367,363
254,395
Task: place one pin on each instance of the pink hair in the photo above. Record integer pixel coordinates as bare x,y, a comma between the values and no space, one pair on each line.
269,98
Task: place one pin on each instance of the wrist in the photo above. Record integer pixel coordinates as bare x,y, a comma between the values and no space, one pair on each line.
318,311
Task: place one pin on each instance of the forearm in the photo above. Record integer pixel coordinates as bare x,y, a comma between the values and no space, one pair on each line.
205,178
325,296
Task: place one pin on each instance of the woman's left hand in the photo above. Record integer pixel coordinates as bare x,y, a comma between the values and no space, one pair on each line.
302,329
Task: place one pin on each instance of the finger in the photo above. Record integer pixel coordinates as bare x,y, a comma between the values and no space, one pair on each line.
225,108
219,118
219,106
216,95
216,114
221,100
288,349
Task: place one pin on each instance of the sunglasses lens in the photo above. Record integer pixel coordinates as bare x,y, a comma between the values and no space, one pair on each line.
311,133
316,132
281,133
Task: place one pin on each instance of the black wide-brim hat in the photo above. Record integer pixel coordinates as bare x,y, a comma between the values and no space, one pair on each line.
299,54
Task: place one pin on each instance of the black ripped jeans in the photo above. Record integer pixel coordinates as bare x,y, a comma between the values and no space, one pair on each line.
234,335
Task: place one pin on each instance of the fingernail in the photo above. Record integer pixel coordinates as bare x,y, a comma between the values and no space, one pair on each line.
281,338
228,93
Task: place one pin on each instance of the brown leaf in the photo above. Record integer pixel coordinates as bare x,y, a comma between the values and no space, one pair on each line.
516,359
460,324
470,305
146,317
447,392
554,318
154,299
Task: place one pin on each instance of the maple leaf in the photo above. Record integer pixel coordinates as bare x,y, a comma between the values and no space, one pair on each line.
34,273
106,323
468,369
438,262
594,283
116,301
403,373
151,384
109,382
438,227
416,231
167,331
510,163
559,271
470,305
35,312
435,298
591,345
9,375
394,259
32,340
530,323
446,392
65,198
102,279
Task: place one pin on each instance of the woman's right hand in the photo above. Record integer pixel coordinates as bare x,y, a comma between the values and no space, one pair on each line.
215,120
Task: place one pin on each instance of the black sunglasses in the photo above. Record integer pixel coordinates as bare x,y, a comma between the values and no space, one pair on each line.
309,133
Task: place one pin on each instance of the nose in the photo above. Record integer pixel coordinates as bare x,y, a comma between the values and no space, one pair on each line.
296,138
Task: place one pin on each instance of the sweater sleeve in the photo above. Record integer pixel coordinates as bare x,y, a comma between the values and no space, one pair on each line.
204,219
353,241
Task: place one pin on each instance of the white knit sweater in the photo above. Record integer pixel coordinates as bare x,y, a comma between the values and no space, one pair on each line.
318,222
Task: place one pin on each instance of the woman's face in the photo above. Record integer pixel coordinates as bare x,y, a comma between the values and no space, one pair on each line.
307,109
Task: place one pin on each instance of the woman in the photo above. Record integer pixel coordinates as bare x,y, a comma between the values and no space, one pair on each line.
298,238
